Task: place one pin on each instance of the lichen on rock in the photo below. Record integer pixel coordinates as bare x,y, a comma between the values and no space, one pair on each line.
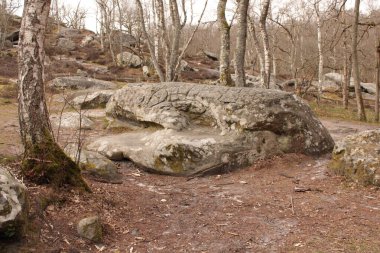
13,205
357,157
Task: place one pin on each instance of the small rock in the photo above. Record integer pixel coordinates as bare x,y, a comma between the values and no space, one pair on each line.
72,120
82,73
90,228
146,71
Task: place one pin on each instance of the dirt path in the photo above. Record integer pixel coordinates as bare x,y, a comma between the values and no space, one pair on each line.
287,204
339,128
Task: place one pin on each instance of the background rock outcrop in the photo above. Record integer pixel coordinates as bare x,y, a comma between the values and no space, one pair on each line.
80,83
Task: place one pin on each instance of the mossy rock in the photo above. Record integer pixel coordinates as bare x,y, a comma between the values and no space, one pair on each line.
357,157
90,228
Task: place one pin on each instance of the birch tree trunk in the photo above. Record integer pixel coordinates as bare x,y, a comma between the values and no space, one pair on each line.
174,48
225,44
120,10
347,68
150,43
377,83
44,161
320,49
241,43
258,48
3,22
265,38
163,31
355,63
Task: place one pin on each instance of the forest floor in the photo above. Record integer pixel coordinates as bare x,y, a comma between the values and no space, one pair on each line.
290,203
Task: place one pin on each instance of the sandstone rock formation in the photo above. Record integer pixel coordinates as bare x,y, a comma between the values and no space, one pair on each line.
94,165
80,83
357,157
93,99
13,205
192,128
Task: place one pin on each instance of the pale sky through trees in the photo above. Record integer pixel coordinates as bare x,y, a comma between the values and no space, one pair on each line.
90,6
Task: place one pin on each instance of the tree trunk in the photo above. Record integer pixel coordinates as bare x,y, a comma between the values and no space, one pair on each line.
347,69
225,43
259,50
150,43
320,49
163,31
3,22
121,41
347,79
264,36
174,48
44,161
377,83
355,63
241,43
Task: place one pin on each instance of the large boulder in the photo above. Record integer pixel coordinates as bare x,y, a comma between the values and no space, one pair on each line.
192,128
93,99
369,88
80,83
334,77
211,55
327,86
13,205
128,40
70,33
357,157
66,44
129,59
13,36
337,78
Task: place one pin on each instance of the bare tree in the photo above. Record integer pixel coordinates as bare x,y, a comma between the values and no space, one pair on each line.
347,67
73,17
320,46
265,39
241,42
355,63
7,9
377,82
44,161
258,47
225,45
171,39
